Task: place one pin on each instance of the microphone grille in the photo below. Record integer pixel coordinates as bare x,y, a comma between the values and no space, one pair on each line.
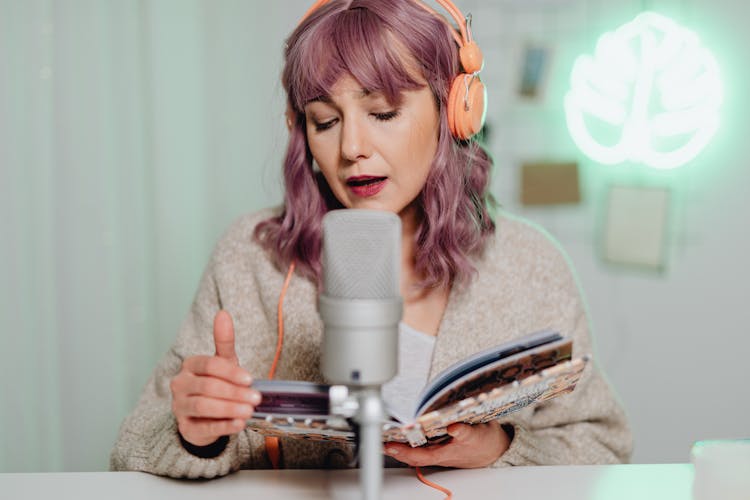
361,254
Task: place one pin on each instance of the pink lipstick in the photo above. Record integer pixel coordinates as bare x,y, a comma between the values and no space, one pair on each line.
365,186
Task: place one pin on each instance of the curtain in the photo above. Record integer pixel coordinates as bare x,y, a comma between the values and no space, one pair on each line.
131,134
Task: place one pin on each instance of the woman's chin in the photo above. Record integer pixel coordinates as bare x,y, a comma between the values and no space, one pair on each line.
370,204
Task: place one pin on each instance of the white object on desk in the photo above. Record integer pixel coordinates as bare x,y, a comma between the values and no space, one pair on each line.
722,470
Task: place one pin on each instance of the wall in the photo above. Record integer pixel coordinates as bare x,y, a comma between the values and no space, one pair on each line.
131,133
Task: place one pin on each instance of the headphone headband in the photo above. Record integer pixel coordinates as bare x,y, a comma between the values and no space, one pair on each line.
462,37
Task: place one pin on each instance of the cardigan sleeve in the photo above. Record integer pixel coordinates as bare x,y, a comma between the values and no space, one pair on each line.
587,426
148,439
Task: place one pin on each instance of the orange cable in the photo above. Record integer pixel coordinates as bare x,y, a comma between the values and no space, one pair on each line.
272,443
280,342
448,493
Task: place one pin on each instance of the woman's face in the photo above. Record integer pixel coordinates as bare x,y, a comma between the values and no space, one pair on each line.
373,155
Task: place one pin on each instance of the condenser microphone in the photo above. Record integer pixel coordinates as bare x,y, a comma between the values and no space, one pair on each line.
361,303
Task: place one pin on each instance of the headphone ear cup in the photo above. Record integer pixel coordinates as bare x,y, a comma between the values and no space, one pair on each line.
466,109
457,88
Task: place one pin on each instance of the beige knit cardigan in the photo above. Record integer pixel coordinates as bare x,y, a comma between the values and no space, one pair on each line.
523,284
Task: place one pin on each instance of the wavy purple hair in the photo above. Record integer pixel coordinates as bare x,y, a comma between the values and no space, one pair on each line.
357,37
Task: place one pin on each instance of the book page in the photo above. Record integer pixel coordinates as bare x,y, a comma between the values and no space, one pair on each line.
401,393
501,372
482,358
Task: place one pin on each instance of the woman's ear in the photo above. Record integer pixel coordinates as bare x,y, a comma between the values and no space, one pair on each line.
289,117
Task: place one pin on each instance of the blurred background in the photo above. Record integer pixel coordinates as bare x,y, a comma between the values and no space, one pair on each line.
133,132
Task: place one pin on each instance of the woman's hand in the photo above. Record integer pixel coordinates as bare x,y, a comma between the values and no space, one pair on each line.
471,446
211,395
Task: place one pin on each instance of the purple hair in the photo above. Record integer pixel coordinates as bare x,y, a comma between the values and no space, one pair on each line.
357,37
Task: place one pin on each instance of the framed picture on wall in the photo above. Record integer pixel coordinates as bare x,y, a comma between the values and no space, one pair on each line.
636,227
535,62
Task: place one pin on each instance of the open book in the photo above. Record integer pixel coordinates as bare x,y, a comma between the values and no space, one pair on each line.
483,387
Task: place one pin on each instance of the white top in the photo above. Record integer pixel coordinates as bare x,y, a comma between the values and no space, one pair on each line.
414,357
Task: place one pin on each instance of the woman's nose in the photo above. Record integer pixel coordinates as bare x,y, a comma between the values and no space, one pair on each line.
355,143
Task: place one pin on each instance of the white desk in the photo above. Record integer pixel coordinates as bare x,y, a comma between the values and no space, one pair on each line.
618,482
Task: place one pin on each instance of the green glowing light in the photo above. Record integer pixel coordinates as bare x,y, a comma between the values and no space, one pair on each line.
650,94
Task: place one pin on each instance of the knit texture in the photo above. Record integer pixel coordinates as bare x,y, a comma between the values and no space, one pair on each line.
523,284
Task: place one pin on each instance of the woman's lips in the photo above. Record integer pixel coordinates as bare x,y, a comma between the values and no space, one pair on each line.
365,186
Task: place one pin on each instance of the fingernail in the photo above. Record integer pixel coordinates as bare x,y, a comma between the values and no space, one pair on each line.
246,379
255,398
391,451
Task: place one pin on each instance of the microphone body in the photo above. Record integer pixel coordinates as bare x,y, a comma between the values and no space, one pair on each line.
360,305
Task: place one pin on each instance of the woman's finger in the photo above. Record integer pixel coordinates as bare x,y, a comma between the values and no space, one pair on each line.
205,407
203,431
221,389
224,336
417,457
471,446
215,366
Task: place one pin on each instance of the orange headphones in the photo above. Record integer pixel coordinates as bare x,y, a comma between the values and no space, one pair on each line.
467,98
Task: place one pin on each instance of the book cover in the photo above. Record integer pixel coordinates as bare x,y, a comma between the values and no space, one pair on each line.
483,387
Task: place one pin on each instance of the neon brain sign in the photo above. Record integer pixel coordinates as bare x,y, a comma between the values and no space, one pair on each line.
650,94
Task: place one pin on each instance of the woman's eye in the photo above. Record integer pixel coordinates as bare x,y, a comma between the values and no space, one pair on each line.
319,127
387,116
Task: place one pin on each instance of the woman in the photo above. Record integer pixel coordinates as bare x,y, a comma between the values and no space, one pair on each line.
370,96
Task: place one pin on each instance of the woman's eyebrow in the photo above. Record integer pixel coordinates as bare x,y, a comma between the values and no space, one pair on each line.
321,98
360,95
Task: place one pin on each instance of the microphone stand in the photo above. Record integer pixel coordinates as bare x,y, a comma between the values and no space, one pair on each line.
365,406
370,418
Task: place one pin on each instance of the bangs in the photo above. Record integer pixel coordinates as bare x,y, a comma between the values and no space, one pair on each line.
355,42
